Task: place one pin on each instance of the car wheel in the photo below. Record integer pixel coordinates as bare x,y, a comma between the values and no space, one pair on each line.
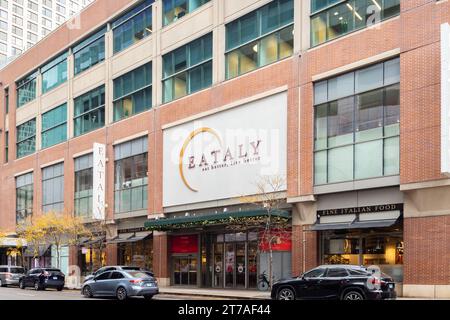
286,294
87,292
353,295
121,293
148,297
38,286
21,285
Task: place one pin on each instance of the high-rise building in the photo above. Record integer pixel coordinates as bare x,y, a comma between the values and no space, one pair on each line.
25,22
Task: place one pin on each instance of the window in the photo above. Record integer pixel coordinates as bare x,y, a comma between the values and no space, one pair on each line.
4,4
26,138
316,273
130,189
6,100
188,69
133,92
24,197
89,52
357,124
117,275
54,73
133,26
103,276
89,111
259,38
32,5
176,9
83,185
334,18
6,146
337,273
54,126
53,188
26,90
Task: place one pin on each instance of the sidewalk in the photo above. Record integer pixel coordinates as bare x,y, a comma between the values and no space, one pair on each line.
222,293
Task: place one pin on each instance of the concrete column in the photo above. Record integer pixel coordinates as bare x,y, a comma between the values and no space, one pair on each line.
161,258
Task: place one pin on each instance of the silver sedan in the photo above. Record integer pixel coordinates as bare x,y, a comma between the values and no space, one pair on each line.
121,284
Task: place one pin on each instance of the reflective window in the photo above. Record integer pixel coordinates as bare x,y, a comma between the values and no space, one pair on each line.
133,26
259,38
53,188
357,136
133,92
176,9
131,181
89,52
334,18
54,126
26,138
24,197
83,185
89,111
54,73
26,89
188,69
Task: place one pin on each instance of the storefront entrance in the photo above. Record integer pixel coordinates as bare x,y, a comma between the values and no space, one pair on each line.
185,270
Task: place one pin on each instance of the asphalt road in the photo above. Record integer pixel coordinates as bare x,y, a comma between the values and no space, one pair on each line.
14,293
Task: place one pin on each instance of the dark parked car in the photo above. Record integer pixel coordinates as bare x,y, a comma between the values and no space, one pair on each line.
344,282
10,275
43,278
121,284
112,268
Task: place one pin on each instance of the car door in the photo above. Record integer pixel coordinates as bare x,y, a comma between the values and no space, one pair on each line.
113,283
32,277
306,286
330,285
100,283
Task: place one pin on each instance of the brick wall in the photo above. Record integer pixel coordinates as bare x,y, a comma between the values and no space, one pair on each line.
305,249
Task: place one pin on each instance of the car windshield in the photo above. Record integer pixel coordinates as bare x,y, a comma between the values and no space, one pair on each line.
17,270
138,274
314,273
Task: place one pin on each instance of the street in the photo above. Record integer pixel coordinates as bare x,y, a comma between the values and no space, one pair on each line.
14,293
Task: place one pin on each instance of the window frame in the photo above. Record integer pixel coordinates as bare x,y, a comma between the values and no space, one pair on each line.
32,77
54,63
31,137
52,178
28,189
188,11
85,44
76,197
53,127
99,107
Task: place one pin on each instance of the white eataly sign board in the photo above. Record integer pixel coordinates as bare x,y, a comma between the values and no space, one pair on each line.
445,99
225,154
99,181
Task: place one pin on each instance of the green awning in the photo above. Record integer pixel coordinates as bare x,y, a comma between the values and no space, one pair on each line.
213,219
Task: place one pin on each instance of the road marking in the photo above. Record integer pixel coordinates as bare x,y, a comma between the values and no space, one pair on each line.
26,294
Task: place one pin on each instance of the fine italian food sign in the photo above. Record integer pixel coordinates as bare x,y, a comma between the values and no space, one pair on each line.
222,156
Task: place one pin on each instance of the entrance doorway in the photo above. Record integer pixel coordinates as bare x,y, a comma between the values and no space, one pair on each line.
185,270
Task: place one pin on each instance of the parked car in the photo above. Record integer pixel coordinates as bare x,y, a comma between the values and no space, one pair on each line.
344,282
112,268
10,275
121,284
43,278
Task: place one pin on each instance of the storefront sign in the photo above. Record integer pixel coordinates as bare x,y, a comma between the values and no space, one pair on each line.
184,244
281,240
445,99
99,181
222,156
357,210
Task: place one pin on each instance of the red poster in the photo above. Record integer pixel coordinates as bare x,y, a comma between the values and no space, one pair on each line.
281,241
185,244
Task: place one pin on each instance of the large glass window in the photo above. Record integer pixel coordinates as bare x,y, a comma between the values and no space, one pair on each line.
131,166
6,146
133,92
176,9
259,38
89,52
83,185
53,188
357,124
26,89
54,126
26,138
24,197
188,69
334,18
89,111
133,26
54,73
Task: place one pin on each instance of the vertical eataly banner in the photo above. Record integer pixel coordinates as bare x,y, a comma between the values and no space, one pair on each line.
445,98
99,181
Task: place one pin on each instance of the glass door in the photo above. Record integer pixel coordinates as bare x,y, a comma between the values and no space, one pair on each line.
230,262
185,271
218,265
241,265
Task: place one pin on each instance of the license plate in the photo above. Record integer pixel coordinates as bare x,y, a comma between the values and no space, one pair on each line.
391,286
55,278
149,284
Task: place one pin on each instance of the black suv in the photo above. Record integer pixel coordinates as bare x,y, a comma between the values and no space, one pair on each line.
343,282
43,278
